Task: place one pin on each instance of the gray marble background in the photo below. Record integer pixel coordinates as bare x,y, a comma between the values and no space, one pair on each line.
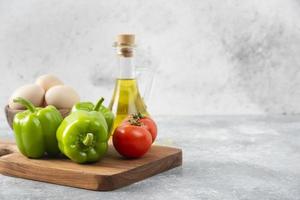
209,56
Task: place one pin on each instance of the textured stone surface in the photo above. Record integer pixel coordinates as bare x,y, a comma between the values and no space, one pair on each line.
225,158
210,56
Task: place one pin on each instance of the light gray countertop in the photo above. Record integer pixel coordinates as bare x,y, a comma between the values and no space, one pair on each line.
224,157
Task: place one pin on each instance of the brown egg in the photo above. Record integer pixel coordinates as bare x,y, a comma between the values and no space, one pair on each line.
31,92
61,96
47,81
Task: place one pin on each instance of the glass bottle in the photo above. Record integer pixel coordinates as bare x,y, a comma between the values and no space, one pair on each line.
126,97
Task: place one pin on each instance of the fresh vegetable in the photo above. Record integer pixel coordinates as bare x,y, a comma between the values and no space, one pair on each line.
47,81
132,140
83,136
31,92
35,129
89,106
61,96
148,123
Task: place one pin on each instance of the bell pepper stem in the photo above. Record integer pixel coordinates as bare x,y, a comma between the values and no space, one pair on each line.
26,103
98,105
88,140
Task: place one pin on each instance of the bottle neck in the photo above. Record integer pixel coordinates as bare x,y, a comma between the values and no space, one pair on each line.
126,67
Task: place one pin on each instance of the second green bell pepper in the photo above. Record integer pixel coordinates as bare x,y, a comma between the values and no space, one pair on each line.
83,136
35,130
89,106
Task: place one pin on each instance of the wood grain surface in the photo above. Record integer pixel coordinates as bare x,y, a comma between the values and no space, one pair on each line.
110,173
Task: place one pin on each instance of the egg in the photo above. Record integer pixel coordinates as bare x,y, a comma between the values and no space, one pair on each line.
61,96
31,92
47,81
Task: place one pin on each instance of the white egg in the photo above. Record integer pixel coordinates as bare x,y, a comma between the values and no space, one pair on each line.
31,92
61,96
47,81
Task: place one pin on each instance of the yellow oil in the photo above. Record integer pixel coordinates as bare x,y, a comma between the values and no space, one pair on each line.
126,100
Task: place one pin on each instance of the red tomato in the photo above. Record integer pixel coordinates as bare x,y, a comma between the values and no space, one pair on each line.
132,141
150,126
148,123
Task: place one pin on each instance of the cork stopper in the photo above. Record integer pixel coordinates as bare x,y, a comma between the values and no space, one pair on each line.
125,40
125,44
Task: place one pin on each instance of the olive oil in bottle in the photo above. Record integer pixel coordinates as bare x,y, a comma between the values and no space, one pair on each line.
126,98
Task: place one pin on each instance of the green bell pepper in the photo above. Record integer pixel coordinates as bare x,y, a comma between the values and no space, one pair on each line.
35,129
83,136
89,106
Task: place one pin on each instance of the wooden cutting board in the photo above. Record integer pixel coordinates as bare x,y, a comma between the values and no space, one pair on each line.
110,173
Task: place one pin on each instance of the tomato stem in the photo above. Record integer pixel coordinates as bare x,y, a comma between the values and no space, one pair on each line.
134,119
137,115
